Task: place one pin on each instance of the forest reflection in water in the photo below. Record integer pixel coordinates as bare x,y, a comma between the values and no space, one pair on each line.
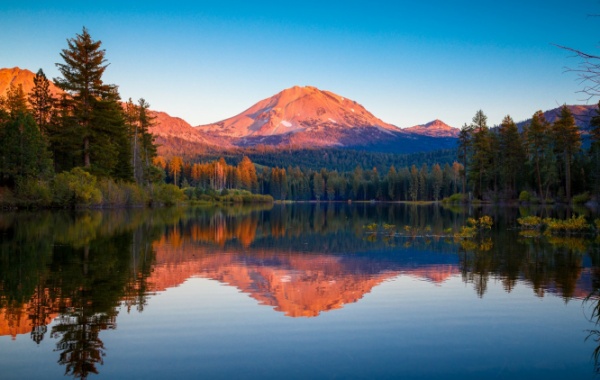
66,275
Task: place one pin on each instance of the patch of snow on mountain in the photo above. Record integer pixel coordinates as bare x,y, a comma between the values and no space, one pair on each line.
286,123
333,121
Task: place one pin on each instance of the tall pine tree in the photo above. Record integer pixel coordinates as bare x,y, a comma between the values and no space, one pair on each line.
41,101
82,71
567,143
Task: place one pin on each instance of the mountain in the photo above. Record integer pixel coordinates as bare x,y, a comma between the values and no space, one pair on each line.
172,133
175,136
296,110
298,117
17,76
435,128
582,114
306,117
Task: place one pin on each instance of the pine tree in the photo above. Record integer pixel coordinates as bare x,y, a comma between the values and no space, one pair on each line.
143,146
413,187
595,152
23,151
512,154
423,182
538,141
392,183
437,181
480,168
82,80
464,146
175,167
41,101
567,143
247,172
318,186
15,102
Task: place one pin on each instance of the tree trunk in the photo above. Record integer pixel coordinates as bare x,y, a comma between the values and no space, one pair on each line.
568,176
539,177
86,152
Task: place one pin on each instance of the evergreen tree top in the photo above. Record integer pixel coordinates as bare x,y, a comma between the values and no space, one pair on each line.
84,66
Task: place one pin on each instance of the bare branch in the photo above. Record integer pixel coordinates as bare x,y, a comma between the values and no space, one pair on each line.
588,71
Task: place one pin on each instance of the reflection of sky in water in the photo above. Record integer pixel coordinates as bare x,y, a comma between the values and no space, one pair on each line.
404,326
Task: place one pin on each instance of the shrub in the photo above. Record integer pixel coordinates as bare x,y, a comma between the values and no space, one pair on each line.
574,224
530,222
190,193
167,194
76,188
475,226
33,192
525,196
454,198
581,198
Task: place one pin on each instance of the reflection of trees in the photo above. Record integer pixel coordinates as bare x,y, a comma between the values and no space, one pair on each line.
79,267
320,227
552,263
592,304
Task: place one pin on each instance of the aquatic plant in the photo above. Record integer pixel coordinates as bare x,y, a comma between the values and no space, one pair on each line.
530,222
572,225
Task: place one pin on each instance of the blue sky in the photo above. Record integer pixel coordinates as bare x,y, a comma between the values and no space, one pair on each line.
407,62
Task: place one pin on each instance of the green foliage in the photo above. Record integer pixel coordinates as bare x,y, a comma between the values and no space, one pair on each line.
581,198
530,222
568,226
167,194
525,196
475,227
32,192
76,188
454,198
120,193
23,152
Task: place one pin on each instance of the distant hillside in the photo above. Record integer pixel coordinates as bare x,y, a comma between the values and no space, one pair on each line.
582,114
24,78
435,128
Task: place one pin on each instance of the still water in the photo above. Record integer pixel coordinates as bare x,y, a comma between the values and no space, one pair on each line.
294,291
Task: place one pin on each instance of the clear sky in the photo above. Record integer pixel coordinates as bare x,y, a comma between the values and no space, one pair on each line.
407,62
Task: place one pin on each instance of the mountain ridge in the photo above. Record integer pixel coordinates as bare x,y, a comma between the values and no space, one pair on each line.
435,128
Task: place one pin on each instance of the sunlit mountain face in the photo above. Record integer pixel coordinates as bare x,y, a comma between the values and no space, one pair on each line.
307,117
24,78
295,118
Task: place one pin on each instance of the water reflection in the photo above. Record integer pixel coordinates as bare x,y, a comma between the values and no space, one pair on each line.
75,272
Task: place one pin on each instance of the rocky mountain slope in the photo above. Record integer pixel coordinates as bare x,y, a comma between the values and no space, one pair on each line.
298,117
306,117
24,78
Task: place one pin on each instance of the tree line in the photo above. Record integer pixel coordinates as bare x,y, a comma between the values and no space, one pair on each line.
423,183
543,161
84,140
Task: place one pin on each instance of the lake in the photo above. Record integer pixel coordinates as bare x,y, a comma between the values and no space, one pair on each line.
331,291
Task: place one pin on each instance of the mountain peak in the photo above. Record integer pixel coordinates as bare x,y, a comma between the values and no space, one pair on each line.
304,115
435,128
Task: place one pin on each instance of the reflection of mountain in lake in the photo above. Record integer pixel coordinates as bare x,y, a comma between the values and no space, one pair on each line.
298,284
